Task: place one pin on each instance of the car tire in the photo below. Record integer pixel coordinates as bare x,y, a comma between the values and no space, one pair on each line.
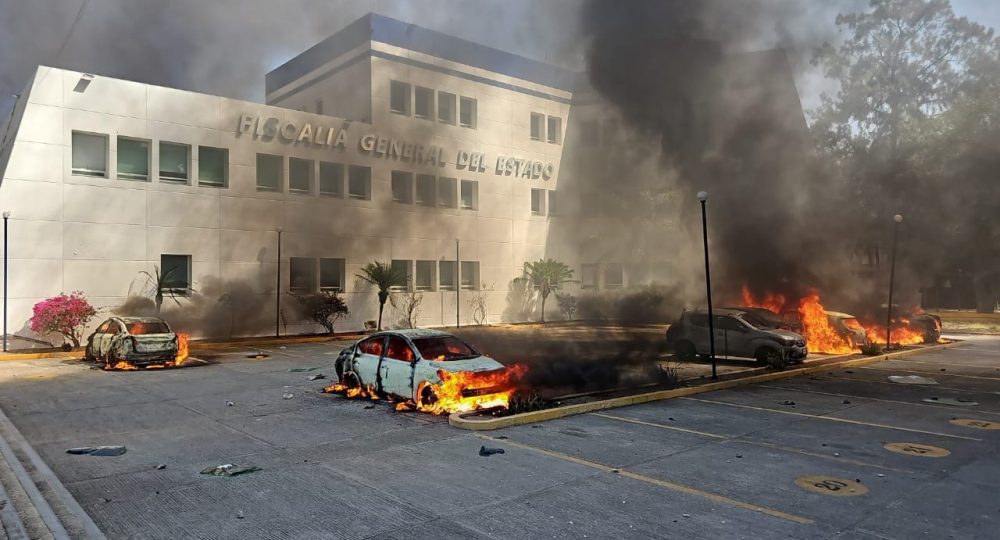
769,357
351,380
87,357
685,350
426,395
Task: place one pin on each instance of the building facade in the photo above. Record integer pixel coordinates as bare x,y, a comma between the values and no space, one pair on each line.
384,142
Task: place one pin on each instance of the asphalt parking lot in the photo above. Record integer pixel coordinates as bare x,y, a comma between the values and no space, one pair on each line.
801,458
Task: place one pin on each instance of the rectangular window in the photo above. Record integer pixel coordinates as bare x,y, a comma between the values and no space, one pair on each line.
175,162
446,108
300,175
590,133
538,202
213,166
470,275
301,274
399,97
402,187
537,126
614,276
426,190
405,268
446,275
331,179
331,275
90,154
446,192
269,172
588,276
423,103
555,130
470,195
467,112
359,182
133,159
552,202
425,276
175,271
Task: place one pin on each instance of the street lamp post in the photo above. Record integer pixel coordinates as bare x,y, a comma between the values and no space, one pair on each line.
703,196
277,296
6,216
458,285
892,274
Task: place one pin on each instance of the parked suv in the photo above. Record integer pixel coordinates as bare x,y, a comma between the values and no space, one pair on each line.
734,336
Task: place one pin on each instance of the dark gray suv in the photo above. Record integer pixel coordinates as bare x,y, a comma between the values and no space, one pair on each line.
735,335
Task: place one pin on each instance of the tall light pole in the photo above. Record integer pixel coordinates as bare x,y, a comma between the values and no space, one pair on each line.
277,297
458,285
703,196
6,216
892,274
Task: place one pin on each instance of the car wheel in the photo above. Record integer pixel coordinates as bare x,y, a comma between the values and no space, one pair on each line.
427,396
769,356
87,357
684,350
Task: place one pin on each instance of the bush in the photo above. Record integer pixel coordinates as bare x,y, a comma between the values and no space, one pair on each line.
66,315
324,308
567,305
871,348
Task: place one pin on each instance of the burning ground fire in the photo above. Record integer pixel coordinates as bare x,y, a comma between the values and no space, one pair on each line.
183,352
458,391
820,334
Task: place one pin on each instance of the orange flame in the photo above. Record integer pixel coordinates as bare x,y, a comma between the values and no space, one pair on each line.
182,349
898,335
820,335
773,302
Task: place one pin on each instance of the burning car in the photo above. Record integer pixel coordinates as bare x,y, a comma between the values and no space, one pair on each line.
763,317
132,341
435,371
735,335
848,327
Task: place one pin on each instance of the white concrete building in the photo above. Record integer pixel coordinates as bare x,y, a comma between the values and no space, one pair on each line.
383,142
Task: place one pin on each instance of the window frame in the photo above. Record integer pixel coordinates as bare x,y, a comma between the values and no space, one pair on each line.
607,272
472,112
170,285
430,186
454,275
447,185
551,203
475,195
408,97
107,154
341,269
225,166
452,101
309,178
541,127
309,263
408,272
474,283
431,109
340,181
541,201
431,267
276,158
596,273
405,189
553,135
118,158
187,164
367,185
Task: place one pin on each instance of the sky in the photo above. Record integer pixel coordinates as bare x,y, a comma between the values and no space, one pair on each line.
224,47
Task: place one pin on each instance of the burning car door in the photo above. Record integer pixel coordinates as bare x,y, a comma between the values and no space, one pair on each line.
732,337
366,359
397,368
107,338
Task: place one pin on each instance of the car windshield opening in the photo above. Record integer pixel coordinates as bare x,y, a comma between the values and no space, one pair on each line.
147,327
444,349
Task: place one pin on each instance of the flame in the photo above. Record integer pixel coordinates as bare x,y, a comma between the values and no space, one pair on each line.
820,335
182,349
457,392
901,335
773,302
120,366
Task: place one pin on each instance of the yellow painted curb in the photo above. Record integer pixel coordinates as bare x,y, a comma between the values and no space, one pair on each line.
458,420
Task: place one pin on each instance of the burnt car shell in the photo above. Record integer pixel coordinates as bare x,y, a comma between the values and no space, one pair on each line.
140,341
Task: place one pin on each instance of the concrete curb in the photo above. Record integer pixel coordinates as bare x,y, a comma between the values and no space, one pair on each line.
458,419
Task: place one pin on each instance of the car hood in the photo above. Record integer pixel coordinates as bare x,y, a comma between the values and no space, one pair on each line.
787,334
481,363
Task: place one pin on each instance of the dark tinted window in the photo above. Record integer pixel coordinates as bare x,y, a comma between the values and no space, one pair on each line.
729,323
147,327
444,348
699,319
398,349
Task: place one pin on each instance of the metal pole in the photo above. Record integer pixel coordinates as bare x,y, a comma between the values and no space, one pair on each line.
702,196
5,216
277,297
892,274
458,284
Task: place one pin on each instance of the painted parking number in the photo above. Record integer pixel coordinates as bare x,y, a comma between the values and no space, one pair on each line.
832,485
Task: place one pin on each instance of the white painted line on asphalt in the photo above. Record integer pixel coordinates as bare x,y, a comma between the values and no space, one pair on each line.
866,398
935,373
834,419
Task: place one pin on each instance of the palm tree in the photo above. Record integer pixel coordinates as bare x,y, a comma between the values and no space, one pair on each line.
547,275
160,284
383,276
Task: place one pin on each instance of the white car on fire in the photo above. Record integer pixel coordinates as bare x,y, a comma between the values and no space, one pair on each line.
421,366
139,341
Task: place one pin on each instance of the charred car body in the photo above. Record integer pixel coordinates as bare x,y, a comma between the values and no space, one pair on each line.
735,335
139,341
411,365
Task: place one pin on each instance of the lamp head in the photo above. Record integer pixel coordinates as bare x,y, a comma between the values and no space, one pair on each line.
897,218
702,196
6,214
279,229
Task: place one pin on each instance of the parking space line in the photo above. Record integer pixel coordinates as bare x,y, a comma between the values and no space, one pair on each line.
938,386
835,419
750,442
657,482
945,374
837,394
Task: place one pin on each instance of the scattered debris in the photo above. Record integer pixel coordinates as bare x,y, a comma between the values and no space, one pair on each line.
97,451
787,402
943,369
370,406
686,515
258,355
240,514
880,475
501,437
911,379
287,395
483,451
958,402
282,347
536,426
836,454
229,469
739,456
317,377
847,402
671,419
160,467
229,404
302,369
848,371
616,471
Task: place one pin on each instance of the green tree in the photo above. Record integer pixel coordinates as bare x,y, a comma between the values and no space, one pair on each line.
383,276
548,275
161,284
